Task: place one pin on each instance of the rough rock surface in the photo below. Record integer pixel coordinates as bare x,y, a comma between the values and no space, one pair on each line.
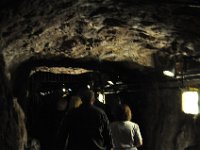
115,30
98,29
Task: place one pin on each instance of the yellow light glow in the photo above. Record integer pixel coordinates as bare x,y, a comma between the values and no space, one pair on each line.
190,102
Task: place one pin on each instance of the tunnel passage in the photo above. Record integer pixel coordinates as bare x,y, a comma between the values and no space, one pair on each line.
47,89
155,101
112,30
38,88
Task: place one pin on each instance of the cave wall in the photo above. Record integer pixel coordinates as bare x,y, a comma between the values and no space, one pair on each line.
9,131
104,30
169,121
158,112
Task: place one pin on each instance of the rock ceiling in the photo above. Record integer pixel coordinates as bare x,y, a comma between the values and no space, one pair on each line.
99,29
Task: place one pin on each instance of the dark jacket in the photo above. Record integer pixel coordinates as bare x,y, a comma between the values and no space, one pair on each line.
88,128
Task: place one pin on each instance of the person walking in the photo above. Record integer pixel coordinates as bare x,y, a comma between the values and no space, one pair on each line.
62,136
88,126
125,133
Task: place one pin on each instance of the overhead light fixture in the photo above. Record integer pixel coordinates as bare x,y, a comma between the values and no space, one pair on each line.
174,70
169,69
88,86
119,82
110,82
169,73
69,89
172,65
64,89
101,97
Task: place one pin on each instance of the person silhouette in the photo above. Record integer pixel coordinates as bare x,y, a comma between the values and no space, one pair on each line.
88,125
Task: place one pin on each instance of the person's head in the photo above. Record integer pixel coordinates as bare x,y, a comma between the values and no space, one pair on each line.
74,102
87,96
124,113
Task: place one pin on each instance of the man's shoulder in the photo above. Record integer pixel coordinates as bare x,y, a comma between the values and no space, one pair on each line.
132,124
99,110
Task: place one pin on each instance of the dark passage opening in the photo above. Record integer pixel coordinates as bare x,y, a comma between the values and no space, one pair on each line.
41,89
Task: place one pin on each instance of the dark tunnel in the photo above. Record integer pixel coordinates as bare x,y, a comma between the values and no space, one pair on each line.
52,49
144,91
39,91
